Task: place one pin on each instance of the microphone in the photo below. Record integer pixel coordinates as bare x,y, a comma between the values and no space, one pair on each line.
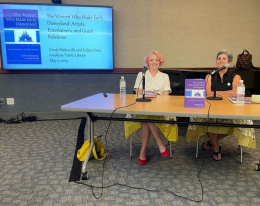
143,99
144,68
215,83
219,69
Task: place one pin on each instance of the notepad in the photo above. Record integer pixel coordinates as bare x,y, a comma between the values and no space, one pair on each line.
233,100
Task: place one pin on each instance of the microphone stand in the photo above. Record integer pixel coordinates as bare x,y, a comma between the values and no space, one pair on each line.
143,99
214,89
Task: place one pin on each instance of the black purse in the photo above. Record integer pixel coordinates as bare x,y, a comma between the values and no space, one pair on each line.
244,61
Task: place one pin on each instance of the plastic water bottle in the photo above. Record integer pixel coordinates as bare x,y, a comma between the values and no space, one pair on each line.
240,93
122,86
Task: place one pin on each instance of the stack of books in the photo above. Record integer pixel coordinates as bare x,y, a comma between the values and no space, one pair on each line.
150,94
233,100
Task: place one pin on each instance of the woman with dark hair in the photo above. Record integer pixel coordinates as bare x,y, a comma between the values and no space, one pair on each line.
226,83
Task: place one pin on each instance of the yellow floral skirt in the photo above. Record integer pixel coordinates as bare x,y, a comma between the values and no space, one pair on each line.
245,136
170,131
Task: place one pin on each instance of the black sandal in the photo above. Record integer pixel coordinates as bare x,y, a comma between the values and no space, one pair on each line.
216,153
208,144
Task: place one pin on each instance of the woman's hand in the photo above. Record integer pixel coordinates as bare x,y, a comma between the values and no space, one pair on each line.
166,93
138,91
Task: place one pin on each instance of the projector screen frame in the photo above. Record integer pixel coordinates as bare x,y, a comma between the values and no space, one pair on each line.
61,70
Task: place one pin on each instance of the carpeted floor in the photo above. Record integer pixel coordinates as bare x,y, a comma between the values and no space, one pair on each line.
36,160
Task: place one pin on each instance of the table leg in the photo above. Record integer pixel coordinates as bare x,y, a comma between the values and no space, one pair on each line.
197,149
241,154
84,175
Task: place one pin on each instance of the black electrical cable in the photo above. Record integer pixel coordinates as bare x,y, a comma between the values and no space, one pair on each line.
138,188
141,188
107,146
21,116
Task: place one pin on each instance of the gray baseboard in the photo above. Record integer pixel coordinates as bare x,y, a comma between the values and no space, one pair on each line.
65,115
54,115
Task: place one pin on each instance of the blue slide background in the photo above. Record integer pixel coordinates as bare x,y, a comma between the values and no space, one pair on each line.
78,51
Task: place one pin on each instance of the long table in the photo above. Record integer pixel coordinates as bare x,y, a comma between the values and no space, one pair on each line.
161,105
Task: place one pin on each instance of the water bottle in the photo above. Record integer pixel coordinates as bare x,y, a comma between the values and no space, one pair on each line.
122,86
240,93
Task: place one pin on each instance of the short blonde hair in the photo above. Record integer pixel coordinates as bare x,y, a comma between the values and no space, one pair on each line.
159,56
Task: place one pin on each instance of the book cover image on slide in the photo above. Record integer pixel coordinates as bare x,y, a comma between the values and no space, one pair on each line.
22,36
25,37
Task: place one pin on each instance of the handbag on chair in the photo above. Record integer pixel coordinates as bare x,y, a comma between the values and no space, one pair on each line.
244,61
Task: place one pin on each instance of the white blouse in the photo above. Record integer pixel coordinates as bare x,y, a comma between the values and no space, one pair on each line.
159,83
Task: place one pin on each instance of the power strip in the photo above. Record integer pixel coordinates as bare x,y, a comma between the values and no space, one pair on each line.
30,118
13,122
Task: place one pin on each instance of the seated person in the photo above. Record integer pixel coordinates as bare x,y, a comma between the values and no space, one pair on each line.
155,81
227,83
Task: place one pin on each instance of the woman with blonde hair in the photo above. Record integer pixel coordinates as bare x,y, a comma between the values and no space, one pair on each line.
155,81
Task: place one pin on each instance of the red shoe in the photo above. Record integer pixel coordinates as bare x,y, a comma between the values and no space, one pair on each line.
142,162
166,153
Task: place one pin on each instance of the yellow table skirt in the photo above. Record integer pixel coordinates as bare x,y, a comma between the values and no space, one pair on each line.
170,131
245,136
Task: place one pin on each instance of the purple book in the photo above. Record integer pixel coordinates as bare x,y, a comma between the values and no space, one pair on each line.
194,93
234,100
150,94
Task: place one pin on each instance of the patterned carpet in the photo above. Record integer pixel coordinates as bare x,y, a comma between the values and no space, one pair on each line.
36,160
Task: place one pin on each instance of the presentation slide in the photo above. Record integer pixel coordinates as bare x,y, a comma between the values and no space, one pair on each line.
56,37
